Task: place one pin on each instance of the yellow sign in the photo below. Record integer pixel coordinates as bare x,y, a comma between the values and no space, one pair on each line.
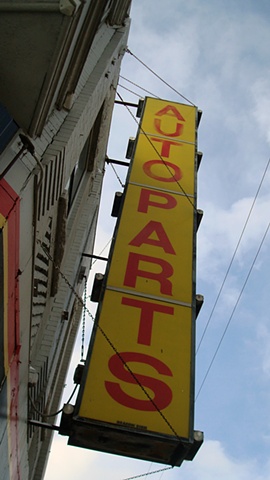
161,168
154,340
140,367
149,256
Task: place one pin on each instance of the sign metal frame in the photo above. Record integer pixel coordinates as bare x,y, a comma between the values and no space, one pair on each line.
140,403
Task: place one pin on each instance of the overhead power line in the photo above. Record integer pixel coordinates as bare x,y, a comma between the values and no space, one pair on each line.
233,257
234,309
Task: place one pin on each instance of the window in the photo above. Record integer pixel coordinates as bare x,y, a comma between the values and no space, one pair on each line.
86,161
77,175
7,128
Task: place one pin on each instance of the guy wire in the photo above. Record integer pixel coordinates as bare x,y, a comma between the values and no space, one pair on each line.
108,339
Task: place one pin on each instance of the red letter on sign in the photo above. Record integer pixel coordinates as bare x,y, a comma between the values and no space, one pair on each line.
174,112
174,172
166,145
147,316
171,111
133,271
162,392
144,237
145,201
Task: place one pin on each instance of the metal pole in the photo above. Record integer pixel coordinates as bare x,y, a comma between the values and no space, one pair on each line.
89,255
49,426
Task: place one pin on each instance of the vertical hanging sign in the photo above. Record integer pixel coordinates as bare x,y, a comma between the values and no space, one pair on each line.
139,380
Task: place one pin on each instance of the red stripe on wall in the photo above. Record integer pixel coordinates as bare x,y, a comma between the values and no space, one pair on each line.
9,208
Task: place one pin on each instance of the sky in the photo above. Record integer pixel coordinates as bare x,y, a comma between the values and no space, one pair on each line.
217,55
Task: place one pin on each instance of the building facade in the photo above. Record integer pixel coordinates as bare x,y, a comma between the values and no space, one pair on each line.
60,63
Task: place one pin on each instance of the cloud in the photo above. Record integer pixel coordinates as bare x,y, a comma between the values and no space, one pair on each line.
262,346
217,55
59,461
212,461
220,233
261,101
